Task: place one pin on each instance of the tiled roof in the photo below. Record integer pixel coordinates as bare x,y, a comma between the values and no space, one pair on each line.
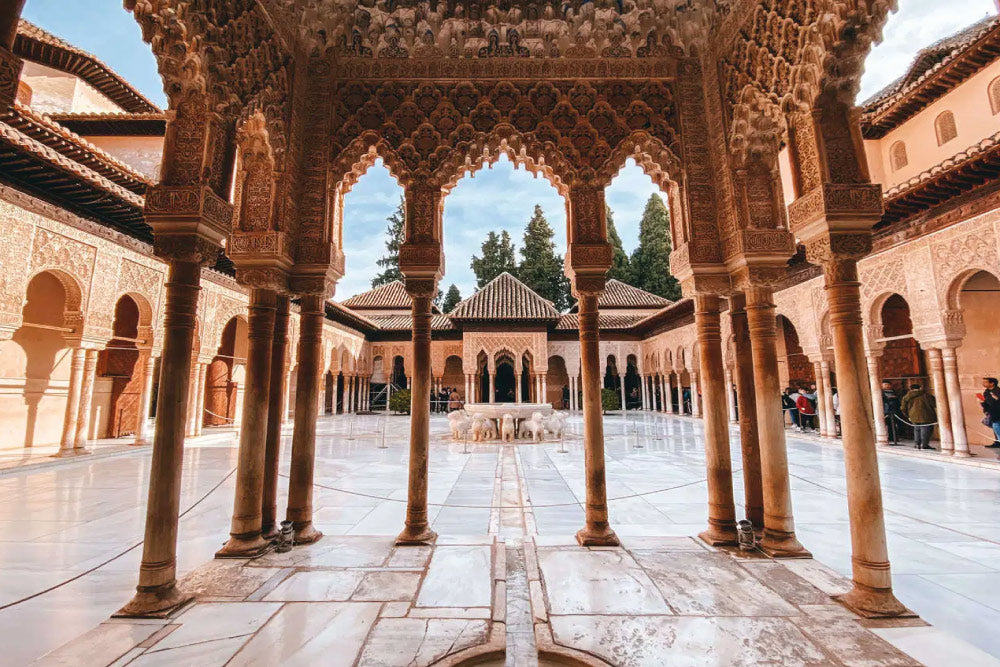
936,70
571,321
114,124
622,295
505,298
34,44
391,296
405,322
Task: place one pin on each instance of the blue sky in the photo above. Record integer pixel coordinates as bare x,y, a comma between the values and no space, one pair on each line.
497,198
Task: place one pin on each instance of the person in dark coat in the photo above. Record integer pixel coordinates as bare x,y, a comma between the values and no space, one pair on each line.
990,402
920,409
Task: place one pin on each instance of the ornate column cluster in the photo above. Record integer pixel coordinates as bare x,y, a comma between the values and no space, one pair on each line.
10,65
67,445
145,399
275,418
745,390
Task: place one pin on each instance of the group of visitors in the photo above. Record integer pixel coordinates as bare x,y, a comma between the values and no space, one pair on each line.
446,400
801,405
918,410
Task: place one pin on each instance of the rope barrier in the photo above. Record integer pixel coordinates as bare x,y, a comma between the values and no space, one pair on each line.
509,507
908,423
231,420
114,558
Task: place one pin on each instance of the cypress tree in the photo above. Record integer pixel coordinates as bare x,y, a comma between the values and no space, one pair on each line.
651,260
394,237
451,299
498,256
621,268
541,268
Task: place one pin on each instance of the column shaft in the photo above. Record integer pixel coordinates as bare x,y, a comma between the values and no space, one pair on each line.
936,369
730,403
199,405
142,418
872,590
417,529
721,506
749,434
878,407
958,432
831,415
779,528
86,399
307,390
695,397
157,590
275,418
596,532
72,402
668,392
824,429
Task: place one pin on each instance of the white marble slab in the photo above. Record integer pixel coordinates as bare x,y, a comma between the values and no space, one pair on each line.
580,581
458,576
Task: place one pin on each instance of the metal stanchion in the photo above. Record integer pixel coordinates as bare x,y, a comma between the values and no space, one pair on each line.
635,432
382,445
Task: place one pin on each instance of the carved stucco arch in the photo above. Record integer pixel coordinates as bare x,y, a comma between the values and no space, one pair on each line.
74,316
145,326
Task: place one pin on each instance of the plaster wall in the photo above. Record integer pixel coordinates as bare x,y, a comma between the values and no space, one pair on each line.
54,91
141,153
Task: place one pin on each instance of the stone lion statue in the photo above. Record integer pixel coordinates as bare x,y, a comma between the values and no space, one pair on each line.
507,428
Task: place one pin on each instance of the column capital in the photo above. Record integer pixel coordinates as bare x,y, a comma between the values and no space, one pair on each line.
10,75
832,248
190,222
422,260
421,287
834,207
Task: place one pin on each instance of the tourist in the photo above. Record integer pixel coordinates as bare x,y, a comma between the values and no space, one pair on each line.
807,411
788,406
890,407
919,408
836,410
454,401
990,401
565,397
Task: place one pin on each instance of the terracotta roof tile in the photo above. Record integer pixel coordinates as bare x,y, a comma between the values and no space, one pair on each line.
391,296
571,321
505,298
37,45
622,295
405,322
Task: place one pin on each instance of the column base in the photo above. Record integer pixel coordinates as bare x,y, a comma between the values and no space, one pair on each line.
415,535
597,536
155,602
962,454
720,536
307,533
269,532
75,451
874,603
782,545
243,547
140,443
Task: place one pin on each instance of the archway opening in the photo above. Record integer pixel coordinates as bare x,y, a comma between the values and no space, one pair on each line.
227,369
120,390
633,389
558,380
901,362
794,369
398,372
453,377
505,383
979,355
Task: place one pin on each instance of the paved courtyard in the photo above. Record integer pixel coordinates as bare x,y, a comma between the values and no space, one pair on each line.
506,516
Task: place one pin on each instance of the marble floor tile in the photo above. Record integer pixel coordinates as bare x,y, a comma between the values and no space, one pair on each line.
935,648
418,642
101,646
854,645
387,586
580,581
317,586
310,633
458,576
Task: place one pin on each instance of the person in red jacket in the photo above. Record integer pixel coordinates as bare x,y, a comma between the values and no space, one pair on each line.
807,411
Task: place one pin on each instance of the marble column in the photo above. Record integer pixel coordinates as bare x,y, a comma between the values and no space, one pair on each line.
145,398
86,400
668,392
245,538
286,411
878,407
950,362
872,592
642,385
721,505
622,391
831,415
597,531
199,404
730,402
157,590
942,403
779,539
275,416
417,529
750,446
192,397
312,314
545,388
493,393
517,391
72,414
824,428
695,398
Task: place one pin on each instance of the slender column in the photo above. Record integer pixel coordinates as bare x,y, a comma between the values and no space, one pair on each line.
275,416
942,402
245,536
958,432
157,590
86,400
872,592
750,445
596,532
417,530
824,428
72,403
730,403
721,506
642,391
307,384
493,396
199,409
285,400
878,407
622,390
142,418
192,397
695,400
668,392
779,539
827,404
545,388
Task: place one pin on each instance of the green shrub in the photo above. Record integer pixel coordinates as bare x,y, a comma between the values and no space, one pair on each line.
400,401
610,400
